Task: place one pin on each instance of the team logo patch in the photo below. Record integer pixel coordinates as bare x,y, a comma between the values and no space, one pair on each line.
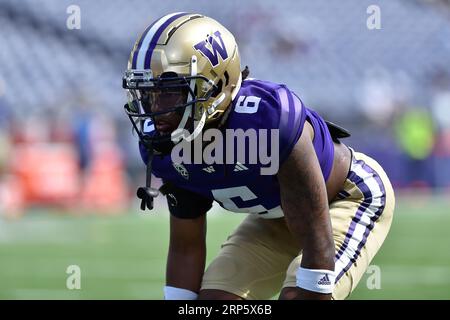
212,47
181,170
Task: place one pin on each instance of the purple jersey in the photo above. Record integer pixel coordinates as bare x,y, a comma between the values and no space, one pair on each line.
240,187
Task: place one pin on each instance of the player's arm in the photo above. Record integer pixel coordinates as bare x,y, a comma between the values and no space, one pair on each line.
186,256
187,245
305,205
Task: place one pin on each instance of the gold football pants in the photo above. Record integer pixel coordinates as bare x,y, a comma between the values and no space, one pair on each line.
260,257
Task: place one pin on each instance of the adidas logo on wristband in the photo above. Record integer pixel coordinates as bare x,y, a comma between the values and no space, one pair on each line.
316,280
325,281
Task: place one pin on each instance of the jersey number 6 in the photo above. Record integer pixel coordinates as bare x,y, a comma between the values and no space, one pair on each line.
247,104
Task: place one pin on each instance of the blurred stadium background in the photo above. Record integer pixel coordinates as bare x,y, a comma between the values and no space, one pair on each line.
69,164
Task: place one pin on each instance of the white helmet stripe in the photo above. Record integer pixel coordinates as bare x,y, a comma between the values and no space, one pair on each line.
148,37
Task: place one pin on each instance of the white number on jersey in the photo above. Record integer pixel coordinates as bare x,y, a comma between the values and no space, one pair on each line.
224,197
247,104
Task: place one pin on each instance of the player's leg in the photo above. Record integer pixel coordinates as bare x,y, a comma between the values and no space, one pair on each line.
361,217
252,263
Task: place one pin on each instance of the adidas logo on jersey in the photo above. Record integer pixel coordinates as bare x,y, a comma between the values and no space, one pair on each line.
325,281
209,169
239,167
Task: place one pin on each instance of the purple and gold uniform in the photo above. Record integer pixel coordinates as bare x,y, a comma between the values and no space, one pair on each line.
261,256
244,188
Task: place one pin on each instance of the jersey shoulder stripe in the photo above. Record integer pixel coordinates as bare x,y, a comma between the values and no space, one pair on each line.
277,108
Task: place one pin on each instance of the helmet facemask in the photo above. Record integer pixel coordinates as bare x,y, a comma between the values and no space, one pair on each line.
159,101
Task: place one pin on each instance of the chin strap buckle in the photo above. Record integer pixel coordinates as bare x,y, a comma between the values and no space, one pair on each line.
147,195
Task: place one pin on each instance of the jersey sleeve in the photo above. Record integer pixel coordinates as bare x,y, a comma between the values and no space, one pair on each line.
266,105
292,117
185,204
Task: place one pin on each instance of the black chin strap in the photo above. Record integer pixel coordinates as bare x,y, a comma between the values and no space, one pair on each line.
147,193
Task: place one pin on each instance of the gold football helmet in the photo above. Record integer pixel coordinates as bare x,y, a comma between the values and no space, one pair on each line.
185,64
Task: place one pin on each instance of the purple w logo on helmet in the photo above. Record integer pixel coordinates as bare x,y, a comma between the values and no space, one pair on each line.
216,47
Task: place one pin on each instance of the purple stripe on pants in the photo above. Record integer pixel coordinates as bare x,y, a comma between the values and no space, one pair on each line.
364,205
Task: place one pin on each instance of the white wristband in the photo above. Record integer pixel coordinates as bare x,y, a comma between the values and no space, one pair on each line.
172,293
317,280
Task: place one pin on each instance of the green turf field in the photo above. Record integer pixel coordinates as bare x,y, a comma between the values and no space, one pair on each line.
124,257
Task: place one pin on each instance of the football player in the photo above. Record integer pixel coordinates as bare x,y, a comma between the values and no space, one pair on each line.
312,228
